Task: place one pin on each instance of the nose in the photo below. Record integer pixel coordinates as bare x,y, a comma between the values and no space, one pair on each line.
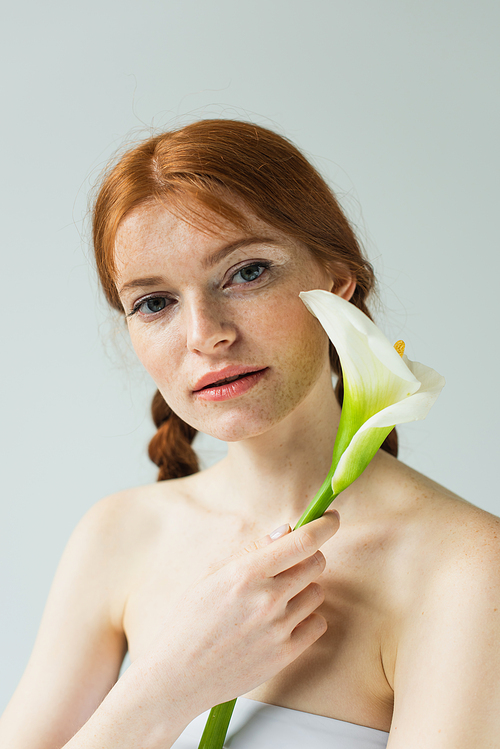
207,327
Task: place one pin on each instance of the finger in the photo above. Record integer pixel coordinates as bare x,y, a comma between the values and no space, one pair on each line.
306,633
303,604
298,545
253,546
296,578
266,540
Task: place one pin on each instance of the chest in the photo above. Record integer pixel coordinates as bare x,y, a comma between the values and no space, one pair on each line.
340,676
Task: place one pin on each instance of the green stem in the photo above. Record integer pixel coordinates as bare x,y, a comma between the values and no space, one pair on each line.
216,726
321,501
218,720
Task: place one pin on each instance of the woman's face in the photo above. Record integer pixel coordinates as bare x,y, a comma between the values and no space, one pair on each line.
204,307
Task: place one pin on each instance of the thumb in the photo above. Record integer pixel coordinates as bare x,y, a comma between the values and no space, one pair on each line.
266,540
253,546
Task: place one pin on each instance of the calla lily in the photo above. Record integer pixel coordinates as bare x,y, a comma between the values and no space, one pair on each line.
381,389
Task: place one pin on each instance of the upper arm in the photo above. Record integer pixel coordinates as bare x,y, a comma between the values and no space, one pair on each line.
80,644
446,682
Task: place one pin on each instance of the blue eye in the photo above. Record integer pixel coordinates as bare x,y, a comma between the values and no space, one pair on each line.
250,273
152,305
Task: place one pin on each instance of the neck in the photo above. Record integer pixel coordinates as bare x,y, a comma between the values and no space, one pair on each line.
276,474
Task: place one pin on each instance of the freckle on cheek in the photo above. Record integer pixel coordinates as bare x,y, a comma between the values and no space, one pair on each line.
294,344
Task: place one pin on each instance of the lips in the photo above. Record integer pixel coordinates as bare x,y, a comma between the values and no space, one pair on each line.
222,376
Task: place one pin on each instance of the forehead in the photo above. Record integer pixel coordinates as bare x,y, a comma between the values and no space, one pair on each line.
158,223
152,231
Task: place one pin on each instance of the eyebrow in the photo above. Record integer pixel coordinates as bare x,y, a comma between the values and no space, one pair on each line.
141,283
208,262
212,260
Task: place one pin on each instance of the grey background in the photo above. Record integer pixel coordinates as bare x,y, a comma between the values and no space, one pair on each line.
396,102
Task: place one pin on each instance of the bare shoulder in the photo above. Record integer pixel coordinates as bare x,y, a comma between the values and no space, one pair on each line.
120,532
82,640
441,650
422,527
132,517
439,522
442,558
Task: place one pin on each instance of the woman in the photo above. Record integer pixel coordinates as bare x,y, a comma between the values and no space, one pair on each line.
388,636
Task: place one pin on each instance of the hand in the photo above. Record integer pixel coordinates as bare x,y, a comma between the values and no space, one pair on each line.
247,619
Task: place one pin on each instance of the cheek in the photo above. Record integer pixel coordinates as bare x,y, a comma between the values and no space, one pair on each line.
156,350
298,346
306,352
293,329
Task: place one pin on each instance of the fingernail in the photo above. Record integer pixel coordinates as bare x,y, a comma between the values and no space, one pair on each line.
280,531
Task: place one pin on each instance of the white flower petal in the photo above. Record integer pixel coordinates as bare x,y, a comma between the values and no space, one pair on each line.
428,377
381,389
416,406
342,320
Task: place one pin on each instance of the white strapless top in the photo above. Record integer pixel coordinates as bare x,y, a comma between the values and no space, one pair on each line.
255,725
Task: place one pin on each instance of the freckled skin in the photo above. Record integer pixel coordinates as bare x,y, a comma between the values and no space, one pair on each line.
404,543
213,324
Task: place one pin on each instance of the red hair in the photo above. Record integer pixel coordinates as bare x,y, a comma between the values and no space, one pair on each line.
204,161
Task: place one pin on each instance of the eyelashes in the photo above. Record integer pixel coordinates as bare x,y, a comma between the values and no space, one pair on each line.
249,270
154,305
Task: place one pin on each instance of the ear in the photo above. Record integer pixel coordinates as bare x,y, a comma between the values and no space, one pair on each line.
346,290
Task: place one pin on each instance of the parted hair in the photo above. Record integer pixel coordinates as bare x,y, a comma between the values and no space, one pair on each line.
209,160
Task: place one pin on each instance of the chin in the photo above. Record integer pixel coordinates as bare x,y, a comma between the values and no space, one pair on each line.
244,423
235,429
